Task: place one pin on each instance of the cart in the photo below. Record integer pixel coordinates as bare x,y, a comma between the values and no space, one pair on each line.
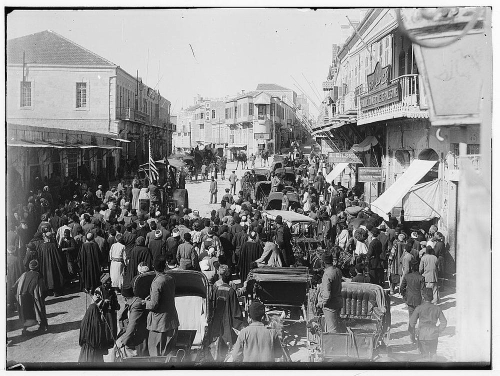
192,304
365,321
284,292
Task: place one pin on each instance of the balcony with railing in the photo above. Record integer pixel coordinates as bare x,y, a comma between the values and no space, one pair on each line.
130,114
403,97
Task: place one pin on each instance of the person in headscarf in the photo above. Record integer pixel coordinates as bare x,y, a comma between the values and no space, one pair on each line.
89,263
140,253
14,271
52,264
227,315
109,306
187,258
250,251
156,245
117,262
31,292
92,340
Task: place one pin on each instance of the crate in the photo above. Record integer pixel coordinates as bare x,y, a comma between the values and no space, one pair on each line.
341,345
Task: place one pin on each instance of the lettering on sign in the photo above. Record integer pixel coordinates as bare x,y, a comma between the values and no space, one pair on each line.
344,157
262,136
328,85
379,78
369,174
382,97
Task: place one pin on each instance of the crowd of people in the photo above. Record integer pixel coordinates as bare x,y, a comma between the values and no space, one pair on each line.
101,242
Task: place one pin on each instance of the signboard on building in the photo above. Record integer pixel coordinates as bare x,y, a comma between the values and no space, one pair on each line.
328,85
262,136
343,157
379,78
369,174
381,97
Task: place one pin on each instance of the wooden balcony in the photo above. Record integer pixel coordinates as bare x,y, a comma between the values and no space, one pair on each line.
130,114
412,103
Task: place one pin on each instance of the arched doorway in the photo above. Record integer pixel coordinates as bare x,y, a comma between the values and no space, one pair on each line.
429,155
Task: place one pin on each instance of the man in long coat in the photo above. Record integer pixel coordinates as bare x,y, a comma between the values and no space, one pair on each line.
140,253
89,263
30,294
53,264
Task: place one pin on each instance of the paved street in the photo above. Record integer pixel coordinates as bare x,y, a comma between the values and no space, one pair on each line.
60,344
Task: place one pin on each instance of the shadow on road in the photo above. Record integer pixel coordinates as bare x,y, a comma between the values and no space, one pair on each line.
57,328
60,299
400,334
54,314
447,305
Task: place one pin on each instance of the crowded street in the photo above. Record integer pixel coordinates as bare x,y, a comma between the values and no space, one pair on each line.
239,218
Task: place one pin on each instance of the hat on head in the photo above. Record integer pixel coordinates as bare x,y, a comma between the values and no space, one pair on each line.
140,240
33,265
257,310
253,235
142,268
433,229
177,210
158,234
414,235
176,233
90,236
424,243
99,186
105,278
211,251
427,294
224,270
279,219
158,213
196,213
327,258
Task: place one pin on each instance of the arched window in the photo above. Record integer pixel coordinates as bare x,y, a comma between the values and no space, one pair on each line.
429,155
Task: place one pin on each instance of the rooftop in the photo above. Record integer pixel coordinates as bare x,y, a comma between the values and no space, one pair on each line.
50,48
261,87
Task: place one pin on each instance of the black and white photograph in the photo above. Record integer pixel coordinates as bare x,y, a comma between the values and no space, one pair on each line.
248,186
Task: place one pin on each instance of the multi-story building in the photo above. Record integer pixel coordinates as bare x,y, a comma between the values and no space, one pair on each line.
77,112
182,140
377,110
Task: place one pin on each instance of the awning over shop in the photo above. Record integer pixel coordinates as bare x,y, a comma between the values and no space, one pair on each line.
328,127
395,193
121,140
108,147
423,201
238,146
176,163
337,170
365,145
40,144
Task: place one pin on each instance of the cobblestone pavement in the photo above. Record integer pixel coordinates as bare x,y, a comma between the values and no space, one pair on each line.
60,343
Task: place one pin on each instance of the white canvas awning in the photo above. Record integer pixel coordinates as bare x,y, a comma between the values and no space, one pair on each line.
423,201
365,145
337,170
395,193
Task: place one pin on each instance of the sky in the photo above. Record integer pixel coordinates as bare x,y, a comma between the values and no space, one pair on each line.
210,52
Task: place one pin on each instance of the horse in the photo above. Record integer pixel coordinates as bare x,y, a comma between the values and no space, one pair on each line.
241,157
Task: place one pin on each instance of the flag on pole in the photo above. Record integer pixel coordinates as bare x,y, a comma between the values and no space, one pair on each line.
153,170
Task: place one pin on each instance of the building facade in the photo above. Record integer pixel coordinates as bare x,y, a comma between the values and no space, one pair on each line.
376,108
58,86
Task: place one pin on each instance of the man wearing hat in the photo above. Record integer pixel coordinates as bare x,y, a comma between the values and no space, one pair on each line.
283,240
427,315
157,245
213,191
429,265
172,244
256,343
251,250
330,295
53,265
412,287
105,297
30,293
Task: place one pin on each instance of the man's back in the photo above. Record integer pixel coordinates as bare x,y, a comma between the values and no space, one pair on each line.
256,343
412,287
429,267
163,315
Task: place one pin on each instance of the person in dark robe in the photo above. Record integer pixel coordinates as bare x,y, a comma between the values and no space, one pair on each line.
14,271
283,240
109,308
89,264
52,264
140,253
157,245
31,292
227,315
31,254
227,246
250,251
92,338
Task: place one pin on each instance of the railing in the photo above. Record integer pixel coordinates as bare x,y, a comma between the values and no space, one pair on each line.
128,113
412,99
